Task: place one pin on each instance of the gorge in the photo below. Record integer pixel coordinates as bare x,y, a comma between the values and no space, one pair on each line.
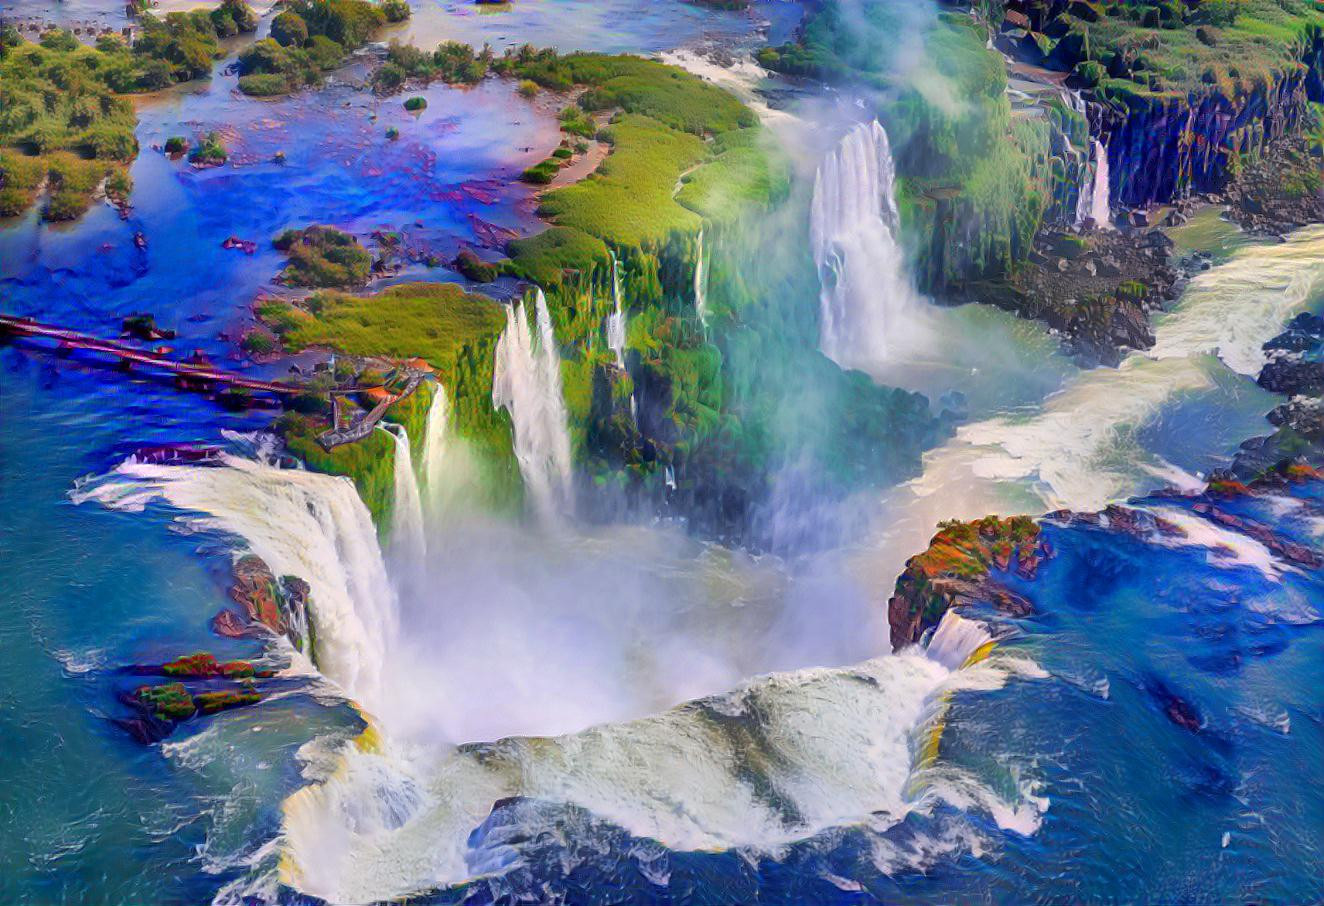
844,479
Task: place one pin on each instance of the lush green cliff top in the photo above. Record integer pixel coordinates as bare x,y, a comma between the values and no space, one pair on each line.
1154,50
429,320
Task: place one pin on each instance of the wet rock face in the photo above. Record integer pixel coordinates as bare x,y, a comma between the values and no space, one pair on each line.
1168,148
972,563
966,563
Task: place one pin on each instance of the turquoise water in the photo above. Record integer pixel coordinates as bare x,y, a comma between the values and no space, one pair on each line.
1111,800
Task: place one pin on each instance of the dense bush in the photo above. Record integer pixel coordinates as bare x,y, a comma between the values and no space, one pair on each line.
289,30
322,256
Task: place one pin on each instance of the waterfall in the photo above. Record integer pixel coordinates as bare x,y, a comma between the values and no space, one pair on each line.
436,442
1099,208
616,330
616,320
527,384
956,641
301,524
701,284
407,536
867,303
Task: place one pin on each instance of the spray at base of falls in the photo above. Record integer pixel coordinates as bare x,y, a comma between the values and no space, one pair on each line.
407,537
867,305
833,746
396,812
527,383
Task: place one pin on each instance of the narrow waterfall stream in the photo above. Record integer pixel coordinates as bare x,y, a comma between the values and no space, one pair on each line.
527,384
407,534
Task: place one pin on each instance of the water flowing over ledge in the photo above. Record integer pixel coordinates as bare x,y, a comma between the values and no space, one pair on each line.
527,384
867,303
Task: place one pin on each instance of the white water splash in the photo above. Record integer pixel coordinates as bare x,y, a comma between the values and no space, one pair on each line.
867,304
616,320
407,538
701,283
956,640
1099,207
832,748
300,523
436,452
527,384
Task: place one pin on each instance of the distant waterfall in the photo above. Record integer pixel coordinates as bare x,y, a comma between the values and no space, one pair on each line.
867,303
527,384
300,523
616,320
701,284
436,443
616,329
1099,208
407,510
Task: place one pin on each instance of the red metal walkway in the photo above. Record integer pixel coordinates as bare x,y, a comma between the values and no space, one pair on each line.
199,376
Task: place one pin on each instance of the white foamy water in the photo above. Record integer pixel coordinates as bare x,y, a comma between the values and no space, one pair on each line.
701,284
527,384
616,320
300,523
1099,206
407,538
868,307
1085,446
774,761
436,446
1226,548
578,637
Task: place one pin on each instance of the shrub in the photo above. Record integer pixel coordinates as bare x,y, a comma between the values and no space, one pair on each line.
176,144
471,267
264,84
415,103
289,30
528,88
388,78
395,10
324,257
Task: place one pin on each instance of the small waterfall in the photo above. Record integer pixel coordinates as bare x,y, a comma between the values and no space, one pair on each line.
701,284
616,329
867,303
407,536
1099,208
527,384
436,442
956,641
616,320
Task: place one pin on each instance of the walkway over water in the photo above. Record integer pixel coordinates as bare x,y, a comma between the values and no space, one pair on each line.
201,376
196,375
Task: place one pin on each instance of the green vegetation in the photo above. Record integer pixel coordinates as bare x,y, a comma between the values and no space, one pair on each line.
209,152
61,127
454,331
309,38
415,104
471,267
1142,50
322,256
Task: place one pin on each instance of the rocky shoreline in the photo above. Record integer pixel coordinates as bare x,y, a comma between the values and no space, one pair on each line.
992,563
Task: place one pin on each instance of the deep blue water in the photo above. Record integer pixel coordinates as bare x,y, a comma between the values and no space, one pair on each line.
1138,808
